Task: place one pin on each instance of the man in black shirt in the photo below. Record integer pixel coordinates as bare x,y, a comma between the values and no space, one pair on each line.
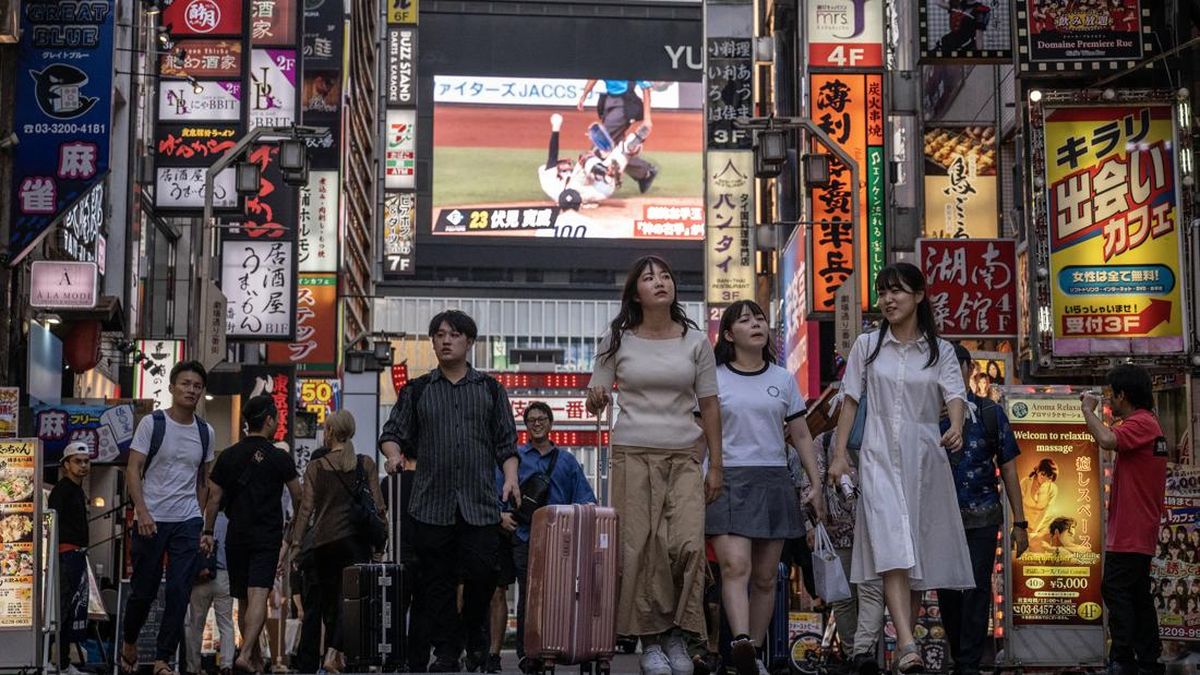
247,483
70,506
457,423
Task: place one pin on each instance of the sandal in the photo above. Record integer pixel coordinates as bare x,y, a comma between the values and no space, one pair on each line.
910,660
164,669
125,666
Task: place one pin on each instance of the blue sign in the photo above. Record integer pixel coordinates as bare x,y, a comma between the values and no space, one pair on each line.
63,111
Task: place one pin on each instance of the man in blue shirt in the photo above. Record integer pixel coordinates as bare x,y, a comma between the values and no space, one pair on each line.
568,485
988,443
618,108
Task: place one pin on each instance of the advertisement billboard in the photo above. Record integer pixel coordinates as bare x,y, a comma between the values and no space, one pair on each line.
1054,36
272,94
204,18
107,429
1175,572
220,59
800,336
532,157
845,33
315,348
278,382
1057,581
977,31
400,151
324,32
22,478
258,280
399,234
401,85
849,108
1116,274
273,23
204,101
729,246
961,185
61,113
972,286
729,92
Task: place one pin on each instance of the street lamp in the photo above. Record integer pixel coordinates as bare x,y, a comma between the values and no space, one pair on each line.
248,178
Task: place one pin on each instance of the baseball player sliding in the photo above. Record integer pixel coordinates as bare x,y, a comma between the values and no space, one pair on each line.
596,175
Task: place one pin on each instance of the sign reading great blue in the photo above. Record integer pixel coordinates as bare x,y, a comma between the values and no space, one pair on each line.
63,111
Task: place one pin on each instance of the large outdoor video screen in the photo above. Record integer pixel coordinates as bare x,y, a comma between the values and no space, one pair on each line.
567,158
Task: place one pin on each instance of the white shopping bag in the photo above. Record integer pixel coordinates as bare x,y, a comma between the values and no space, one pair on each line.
831,584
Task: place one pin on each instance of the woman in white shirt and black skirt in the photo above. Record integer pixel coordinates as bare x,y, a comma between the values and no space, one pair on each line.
762,409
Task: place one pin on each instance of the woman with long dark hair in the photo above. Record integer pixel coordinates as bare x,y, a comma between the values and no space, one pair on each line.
909,529
762,409
664,367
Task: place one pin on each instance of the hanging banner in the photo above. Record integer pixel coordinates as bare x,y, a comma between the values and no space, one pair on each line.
399,234
315,348
961,186
845,33
10,409
272,23
61,113
220,59
1057,37
972,285
800,336
106,429
849,108
204,101
1116,272
258,280
1057,581
19,513
279,383
204,18
272,94
974,31
729,67
400,152
729,252
153,385
319,223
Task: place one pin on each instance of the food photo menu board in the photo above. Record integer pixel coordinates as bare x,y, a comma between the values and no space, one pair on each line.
18,513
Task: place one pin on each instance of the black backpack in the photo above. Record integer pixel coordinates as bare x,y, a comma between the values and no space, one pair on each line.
535,491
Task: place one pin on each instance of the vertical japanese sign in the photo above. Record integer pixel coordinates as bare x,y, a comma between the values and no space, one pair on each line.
1053,36
1057,581
153,385
257,278
849,108
10,409
62,113
18,516
272,213
315,348
1115,249
401,64
729,92
400,151
800,336
403,11
960,182
1175,572
317,245
729,252
399,234
279,383
972,285
272,95
845,33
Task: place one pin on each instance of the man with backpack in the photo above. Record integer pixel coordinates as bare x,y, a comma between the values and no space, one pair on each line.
167,474
988,443
247,484
548,476
458,424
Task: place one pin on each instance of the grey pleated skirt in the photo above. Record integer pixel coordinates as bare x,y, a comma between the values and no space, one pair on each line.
758,502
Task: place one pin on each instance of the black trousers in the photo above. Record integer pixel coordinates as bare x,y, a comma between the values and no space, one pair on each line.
965,613
520,552
449,554
308,651
331,559
1132,619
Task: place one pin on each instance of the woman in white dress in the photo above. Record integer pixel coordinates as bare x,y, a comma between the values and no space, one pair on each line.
909,530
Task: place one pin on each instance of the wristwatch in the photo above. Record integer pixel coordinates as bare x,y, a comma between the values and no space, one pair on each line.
1023,524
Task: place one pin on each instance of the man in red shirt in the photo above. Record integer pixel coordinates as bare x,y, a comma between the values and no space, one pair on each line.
1134,509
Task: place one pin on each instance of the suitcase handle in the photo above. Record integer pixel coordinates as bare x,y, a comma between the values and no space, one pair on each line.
597,577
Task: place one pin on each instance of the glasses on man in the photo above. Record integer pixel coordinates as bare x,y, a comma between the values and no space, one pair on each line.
537,420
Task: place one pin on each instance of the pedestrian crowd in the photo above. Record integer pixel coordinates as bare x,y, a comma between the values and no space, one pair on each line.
711,452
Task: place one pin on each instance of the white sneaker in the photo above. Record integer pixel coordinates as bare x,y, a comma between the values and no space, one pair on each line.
71,670
677,655
762,669
654,661
555,122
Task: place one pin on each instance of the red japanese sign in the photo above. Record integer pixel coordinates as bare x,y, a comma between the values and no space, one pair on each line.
315,348
273,211
972,285
207,18
278,383
194,144
203,58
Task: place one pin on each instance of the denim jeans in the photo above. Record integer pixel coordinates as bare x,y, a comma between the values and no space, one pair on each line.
180,542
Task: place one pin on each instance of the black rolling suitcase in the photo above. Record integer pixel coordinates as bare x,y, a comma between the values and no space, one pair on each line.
373,606
373,630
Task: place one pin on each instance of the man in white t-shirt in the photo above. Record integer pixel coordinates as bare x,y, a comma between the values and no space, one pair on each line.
169,461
